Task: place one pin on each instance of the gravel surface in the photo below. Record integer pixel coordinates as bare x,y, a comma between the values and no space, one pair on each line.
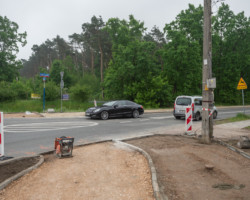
98,172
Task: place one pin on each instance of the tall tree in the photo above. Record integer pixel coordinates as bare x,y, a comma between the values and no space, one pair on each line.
134,71
183,53
9,40
96,37
44,54
231,53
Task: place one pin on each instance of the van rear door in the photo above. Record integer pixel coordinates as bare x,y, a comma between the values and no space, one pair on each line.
181,104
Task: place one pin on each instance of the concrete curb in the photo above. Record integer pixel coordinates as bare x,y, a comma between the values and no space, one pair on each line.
157,192
246,155
22,173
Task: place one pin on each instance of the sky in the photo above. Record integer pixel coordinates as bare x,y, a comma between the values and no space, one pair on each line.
45,19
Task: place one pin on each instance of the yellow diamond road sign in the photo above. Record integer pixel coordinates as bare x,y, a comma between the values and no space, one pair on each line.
242,84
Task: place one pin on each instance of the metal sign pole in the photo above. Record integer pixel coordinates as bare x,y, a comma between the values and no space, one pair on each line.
61,86
243,101
61,100
44,96
44,79
1,135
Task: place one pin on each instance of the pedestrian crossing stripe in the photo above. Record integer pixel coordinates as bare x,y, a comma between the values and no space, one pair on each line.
242,84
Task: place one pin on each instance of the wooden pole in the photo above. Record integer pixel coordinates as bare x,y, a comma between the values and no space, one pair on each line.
207,94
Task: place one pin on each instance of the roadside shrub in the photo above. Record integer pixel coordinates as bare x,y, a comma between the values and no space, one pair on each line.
80,92
22,91
6,93
52,91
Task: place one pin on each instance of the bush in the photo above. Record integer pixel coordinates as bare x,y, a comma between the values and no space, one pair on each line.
6,93
52,92
80,92
21,90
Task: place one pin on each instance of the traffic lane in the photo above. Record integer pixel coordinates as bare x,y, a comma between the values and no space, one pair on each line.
28,143
31,142
32,138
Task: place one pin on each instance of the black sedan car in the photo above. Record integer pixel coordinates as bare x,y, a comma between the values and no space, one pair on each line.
117,108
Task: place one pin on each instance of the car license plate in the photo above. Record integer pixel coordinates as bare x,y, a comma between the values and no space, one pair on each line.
87,114
182,111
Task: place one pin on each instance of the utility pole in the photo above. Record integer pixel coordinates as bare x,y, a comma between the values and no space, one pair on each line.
207,93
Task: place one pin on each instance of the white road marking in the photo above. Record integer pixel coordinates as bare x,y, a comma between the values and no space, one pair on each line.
38,127
164,117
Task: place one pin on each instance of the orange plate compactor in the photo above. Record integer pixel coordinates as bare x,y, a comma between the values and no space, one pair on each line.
64,146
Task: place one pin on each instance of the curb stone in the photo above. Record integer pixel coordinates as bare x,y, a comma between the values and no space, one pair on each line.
22,173
157,193
246,155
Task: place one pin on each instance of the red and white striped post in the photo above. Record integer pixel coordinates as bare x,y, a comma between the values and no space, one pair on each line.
210,111
189,122
1,135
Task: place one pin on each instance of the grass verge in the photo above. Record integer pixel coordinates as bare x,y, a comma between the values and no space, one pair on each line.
37,106
239,117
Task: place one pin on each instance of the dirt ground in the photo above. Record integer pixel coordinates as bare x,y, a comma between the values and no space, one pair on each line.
182,174
107,171
10,169
98,172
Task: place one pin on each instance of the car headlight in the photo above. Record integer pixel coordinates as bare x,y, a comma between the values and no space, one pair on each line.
97,110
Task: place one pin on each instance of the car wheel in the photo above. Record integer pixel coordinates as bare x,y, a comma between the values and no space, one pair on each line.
214,115
197,116
135,114
177,117
104,115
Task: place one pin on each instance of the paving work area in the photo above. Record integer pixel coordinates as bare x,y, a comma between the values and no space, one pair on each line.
99,171
186,169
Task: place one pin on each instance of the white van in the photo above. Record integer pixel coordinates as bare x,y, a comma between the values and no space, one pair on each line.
182,102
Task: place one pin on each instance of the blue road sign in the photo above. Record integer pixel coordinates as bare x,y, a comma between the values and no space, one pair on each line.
44,75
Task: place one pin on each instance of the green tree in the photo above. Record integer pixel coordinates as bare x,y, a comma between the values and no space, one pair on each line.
231,53
134,71
55,76
80,92
183,52
22,90
9,40
97,40
52,91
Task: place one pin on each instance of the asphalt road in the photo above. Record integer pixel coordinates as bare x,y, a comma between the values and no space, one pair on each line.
29,136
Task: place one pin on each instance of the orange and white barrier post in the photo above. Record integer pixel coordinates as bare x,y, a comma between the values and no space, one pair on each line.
189,122
1,135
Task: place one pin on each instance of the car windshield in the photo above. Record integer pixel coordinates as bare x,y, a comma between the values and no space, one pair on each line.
183,101
110,103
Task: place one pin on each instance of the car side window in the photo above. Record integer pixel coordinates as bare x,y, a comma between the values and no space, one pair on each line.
129,103
120,103
198,102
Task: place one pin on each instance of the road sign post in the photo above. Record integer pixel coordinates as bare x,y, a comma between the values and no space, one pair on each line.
44,80
61,86
1,135
242,86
